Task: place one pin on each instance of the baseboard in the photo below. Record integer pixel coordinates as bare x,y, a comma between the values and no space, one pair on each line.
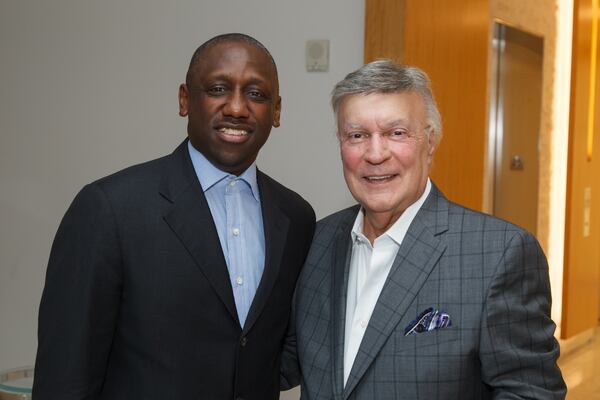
567,346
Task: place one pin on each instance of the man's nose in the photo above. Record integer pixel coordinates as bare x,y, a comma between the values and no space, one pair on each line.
378,149
237,105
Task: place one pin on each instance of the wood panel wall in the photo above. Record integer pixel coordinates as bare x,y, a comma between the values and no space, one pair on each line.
384,30
449,40
582,254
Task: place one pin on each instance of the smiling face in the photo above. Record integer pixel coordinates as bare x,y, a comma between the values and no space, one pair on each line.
386,154
231,100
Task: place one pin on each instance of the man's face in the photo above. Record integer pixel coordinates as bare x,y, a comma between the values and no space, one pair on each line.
386,151
231,101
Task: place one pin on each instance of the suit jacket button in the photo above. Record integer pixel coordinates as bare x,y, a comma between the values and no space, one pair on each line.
243,342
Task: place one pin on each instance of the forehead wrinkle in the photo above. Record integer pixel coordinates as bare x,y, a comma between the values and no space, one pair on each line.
351,125
393,123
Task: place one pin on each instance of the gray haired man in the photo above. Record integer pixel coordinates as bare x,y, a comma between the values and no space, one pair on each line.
408,295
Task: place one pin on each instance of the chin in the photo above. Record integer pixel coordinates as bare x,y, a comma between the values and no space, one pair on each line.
377,208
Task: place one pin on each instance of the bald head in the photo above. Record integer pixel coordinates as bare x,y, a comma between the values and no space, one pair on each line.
227,38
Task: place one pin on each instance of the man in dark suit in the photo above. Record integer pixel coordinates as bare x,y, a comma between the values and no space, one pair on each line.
173,279
408,295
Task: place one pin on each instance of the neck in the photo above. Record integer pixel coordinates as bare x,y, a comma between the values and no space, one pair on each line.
376,224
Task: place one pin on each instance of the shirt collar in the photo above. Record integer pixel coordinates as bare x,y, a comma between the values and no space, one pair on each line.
209,175
398,230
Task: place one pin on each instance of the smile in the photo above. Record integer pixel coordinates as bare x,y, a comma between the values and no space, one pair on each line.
380,178
233,135
233,132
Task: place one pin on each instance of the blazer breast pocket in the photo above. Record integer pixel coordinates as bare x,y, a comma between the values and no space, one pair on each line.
433,342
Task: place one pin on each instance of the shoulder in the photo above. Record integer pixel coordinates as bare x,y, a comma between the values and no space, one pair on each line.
143,174
340,219
316,272
126,189
328,228
469,231
101,204
464,218
478,232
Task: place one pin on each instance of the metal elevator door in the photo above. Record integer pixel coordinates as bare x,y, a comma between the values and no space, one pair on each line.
515,113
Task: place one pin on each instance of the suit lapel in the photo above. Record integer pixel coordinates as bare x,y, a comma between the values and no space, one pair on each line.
276,225
191,221
418,254
342,250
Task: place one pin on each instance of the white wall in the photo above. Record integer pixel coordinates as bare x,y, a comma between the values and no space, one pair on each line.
87,88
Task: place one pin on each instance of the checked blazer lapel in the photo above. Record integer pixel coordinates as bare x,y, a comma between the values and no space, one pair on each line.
418,254
342,250
276,225
191,220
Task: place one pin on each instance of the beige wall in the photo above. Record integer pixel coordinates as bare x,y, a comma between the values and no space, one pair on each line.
89,87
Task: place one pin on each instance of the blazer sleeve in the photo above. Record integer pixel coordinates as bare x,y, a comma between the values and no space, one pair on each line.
80,301
290,367
518,351
290,375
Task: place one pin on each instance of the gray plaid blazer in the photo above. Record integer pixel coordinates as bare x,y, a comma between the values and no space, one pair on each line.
490,276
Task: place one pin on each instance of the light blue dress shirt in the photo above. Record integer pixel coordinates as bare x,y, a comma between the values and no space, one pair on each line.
234,203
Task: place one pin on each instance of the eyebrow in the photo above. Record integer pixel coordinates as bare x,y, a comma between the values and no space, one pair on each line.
400,121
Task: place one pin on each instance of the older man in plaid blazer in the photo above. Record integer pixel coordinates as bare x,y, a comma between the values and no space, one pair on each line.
408,295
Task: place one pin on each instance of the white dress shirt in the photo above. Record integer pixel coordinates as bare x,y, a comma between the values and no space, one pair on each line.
369,268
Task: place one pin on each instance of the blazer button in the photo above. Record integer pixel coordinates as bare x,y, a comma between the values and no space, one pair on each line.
243,342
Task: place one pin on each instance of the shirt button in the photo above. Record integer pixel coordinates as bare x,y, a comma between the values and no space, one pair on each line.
235,231
232,183
363,323
239,280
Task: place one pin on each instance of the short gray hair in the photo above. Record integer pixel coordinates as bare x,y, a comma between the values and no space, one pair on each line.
385,76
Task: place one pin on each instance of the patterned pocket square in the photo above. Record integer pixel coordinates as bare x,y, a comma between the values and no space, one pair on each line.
428,320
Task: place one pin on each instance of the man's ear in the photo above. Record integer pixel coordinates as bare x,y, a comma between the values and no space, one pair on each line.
431,146
277,112
184,100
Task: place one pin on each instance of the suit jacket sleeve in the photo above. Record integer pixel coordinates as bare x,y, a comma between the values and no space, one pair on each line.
518,350
80,302
290,368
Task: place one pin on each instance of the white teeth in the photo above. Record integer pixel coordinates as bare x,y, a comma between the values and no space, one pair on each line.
378,178
233,132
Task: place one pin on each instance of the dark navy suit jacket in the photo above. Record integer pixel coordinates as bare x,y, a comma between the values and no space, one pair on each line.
138,302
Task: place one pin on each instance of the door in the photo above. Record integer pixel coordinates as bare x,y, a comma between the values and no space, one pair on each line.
515,106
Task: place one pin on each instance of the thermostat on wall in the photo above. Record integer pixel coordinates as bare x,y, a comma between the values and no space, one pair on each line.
317,55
